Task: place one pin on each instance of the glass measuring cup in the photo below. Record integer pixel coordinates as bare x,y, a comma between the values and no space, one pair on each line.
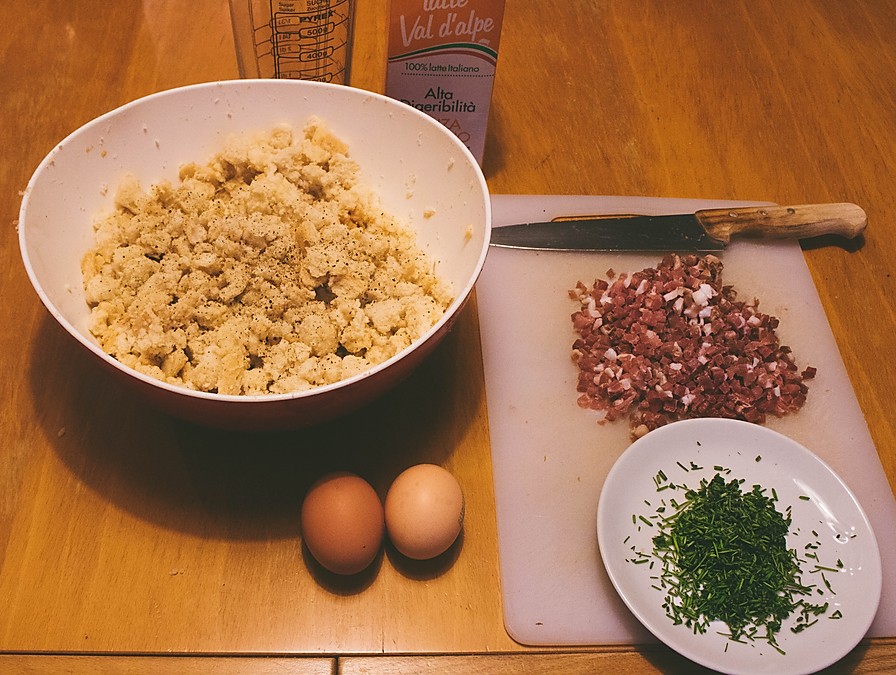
294,39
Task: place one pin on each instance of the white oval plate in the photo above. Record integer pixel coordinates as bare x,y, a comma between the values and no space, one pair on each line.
831,512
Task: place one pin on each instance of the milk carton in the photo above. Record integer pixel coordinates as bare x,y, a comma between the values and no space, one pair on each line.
442,60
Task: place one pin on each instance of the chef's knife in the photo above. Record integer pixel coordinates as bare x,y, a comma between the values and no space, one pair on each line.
705,230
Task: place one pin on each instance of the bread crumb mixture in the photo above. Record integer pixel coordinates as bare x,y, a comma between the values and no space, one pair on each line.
265,271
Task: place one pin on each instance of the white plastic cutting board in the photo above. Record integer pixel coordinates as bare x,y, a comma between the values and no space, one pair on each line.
550,457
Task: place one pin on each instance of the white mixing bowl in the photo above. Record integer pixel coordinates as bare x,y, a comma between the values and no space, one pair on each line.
423,174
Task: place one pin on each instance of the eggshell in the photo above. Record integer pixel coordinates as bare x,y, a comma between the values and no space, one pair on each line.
424,511
343,523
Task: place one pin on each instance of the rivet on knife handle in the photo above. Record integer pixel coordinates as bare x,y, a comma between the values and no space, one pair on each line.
784,222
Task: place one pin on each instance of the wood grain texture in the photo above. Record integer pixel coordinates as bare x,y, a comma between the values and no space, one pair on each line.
36,664
123,531
799,221
867,658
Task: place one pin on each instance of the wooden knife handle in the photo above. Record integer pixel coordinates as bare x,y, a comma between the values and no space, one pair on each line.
784,222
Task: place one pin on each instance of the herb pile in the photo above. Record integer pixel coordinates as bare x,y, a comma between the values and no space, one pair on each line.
724,556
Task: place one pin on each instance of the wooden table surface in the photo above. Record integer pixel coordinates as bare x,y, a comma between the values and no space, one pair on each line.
130,542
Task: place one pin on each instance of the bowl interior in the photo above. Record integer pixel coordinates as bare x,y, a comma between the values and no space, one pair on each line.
422,173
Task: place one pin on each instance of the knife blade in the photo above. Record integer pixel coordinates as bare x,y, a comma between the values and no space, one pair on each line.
704,230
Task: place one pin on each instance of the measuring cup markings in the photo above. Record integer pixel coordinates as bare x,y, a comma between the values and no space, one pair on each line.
300,39
328,76
308,37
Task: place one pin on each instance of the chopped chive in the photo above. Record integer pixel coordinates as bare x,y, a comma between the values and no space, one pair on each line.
723,555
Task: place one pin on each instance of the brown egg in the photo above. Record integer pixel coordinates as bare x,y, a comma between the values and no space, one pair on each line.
343,523
424,511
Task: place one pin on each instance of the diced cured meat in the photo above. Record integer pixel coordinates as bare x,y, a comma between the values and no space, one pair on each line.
672,342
